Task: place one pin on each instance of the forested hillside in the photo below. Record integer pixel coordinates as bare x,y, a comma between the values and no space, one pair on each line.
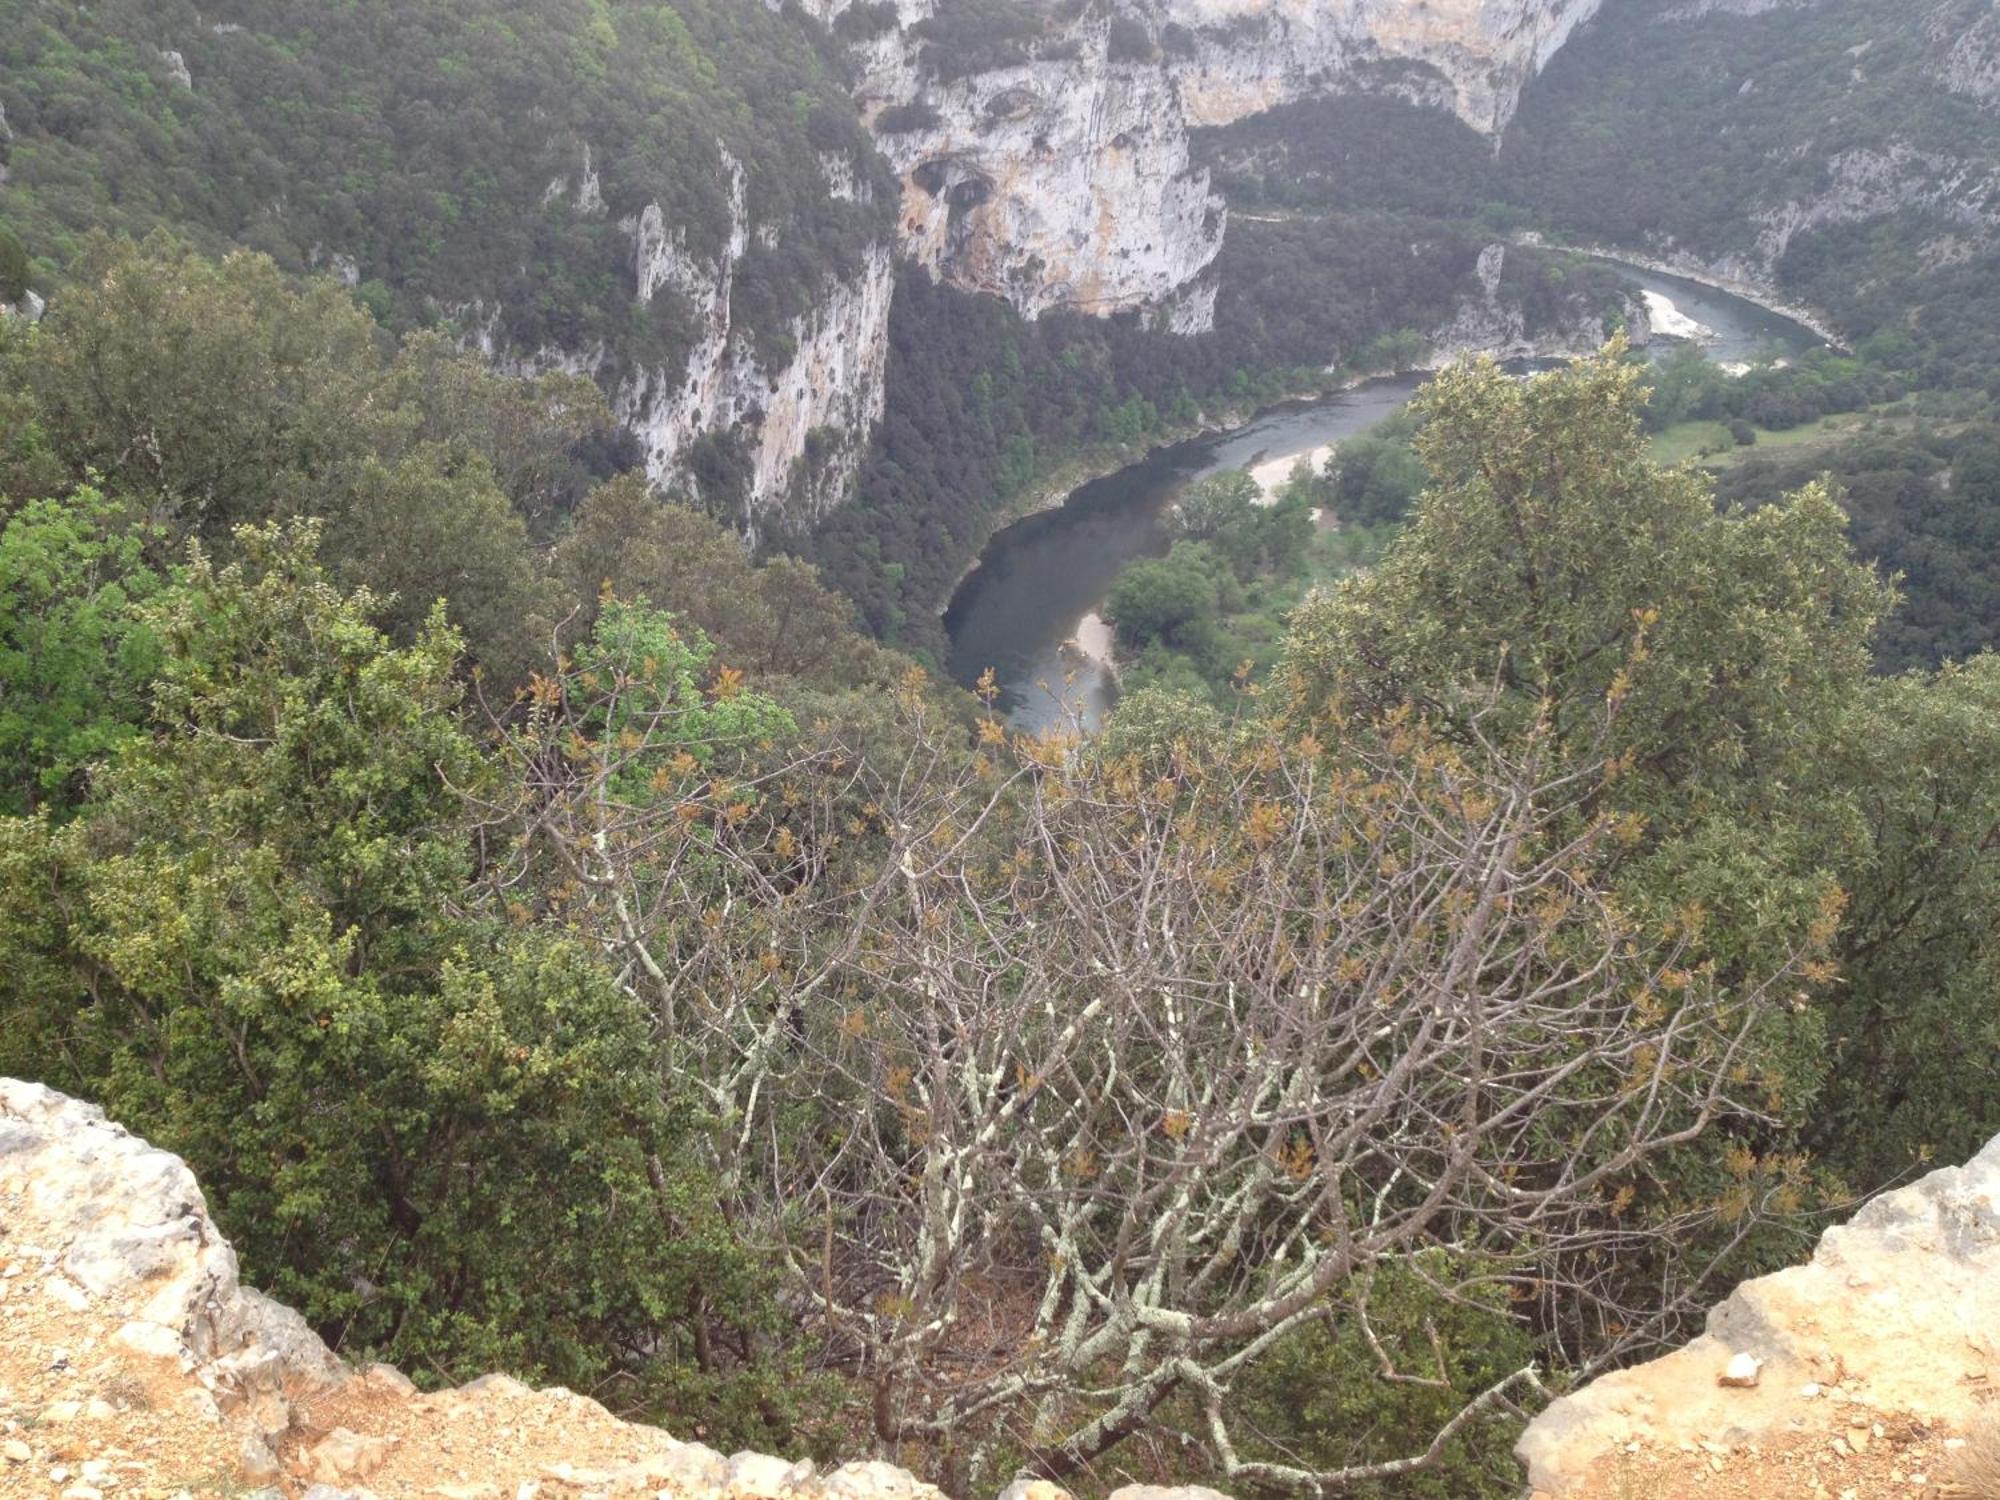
620,973
417,145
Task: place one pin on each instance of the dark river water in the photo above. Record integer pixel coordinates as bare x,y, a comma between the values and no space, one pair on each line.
1029,610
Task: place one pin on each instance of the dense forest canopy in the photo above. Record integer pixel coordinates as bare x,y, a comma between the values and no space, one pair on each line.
421,145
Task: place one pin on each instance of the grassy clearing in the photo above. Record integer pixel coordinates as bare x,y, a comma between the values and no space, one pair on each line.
1710,444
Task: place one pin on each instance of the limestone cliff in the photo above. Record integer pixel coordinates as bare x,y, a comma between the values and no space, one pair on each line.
1062,182
801,422
1871,1360
1061,179
1232,58
1492,319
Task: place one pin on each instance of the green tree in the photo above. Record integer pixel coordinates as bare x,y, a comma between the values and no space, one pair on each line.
1560,593
424,531
1170,599
17,271
771,619
75,655
1604,595
441,1134
203,389
1914,1024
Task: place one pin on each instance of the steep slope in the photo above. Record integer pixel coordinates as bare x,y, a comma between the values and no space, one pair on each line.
1044,160
1044,149
1846,149
677,198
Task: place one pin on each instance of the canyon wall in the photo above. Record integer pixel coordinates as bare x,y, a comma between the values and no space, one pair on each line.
802,422
1232,58
1061,180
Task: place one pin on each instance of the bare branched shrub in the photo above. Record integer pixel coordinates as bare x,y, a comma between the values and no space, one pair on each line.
1064,1086
1975,1469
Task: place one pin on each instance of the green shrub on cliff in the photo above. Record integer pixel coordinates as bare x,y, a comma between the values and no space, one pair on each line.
440,1133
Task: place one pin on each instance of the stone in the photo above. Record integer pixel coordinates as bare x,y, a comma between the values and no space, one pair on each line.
389,1378
1742,1372
693,1467
154,1340
874,1480
1034,1489
256,1463
15,1451
1877,1317
759,1476
346,1454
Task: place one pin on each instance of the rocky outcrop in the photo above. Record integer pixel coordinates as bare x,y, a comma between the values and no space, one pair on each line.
120,1303
1972,61
1491,321
802,423
1232,58
1061,183
133,1362
1883,1349
1063,180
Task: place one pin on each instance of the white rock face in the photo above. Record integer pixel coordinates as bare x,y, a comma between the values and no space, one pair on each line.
1869,183
1897,1312
803,425
1057,184
1490,322
1232,58
1972,66
1066,182
118,1229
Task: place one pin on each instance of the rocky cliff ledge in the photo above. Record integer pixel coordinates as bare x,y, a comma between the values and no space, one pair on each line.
133,1363
1857,1374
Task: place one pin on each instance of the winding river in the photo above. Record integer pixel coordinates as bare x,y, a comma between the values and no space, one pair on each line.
1029,610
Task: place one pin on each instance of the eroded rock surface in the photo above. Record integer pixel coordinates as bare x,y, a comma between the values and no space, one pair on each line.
1877,1353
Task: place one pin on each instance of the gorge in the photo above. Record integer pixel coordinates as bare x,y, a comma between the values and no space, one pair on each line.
1026,609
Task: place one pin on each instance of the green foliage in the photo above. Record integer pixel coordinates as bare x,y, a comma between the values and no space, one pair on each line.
1321,1397
637,672
212,394
1228,512
1171,599
1717,657
1915,1032
774,620
1374,479
17,270
75,654
1647,130
199,387
1604,594
418,142
443,1138
1922,494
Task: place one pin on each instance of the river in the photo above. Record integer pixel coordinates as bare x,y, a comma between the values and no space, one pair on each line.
1029,610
